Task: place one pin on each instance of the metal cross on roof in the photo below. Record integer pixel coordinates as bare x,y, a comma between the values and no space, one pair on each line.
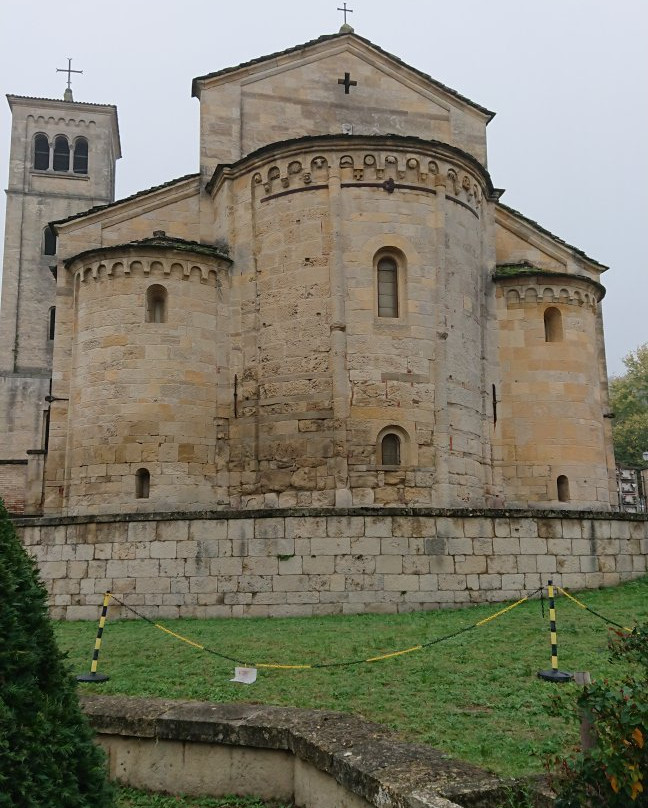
69,71
345,11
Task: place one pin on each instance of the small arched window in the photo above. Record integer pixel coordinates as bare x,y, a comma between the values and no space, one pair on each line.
51,323
41,153
390,450
387,284
80,161
61,154
563,488
156,304
142,483
49,242
553,325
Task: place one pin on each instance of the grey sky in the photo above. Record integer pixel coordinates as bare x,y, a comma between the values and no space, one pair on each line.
567,79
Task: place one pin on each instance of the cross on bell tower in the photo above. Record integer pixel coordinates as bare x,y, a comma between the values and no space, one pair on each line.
67,95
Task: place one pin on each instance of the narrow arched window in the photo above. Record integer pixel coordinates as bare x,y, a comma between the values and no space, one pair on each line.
51,323
61,154
390,450
156,304
563,488
41,153
142,483
387,284
80,162
553,325
49,242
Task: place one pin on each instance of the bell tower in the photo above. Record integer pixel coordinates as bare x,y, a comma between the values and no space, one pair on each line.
62,162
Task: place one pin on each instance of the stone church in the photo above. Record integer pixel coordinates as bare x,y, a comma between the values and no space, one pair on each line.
336,311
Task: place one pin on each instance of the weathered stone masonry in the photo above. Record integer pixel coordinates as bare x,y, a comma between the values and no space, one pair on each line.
303,562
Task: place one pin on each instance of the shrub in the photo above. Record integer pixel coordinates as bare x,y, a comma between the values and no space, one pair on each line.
614,772
47,755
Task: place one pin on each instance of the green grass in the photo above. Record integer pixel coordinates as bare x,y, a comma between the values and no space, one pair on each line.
476,696
131,798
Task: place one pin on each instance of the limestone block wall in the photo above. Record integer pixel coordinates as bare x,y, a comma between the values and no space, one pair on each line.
313,562
552,402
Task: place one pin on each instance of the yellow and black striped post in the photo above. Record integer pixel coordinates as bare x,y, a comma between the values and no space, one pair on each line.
554,675
93,676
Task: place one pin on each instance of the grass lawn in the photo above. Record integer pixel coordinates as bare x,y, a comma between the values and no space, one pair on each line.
130,798
476,696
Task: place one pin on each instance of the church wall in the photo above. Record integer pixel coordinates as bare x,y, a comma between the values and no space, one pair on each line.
551,406
287,562
277,100
178,218
142,394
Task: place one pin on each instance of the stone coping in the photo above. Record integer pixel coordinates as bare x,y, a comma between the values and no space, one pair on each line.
279,513
366,759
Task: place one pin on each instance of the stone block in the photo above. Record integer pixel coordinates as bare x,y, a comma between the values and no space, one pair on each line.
392,564
532,546
163,549
305,527
365,546
415,565
546,563
442,564
378,526
478,528
504,546
502,564
470,564
394,546
152,585
401,583
345,526
435,546
272,528
226,566
483,546
330,546
452,582
173,531
459,546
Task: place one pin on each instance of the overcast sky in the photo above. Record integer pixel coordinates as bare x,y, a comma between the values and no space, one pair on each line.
568,80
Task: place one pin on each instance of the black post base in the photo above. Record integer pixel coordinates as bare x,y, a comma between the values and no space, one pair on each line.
555,676
92,677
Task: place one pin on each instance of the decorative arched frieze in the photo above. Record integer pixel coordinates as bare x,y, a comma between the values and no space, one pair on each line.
524,291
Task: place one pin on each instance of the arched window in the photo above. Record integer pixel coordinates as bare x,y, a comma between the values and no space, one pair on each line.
80,161
49,242
553,325
390,450
156,304
387,284
61,154
51,323
41,153
142,483
563,488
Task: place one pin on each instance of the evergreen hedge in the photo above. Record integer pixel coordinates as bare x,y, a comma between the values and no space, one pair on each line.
47,755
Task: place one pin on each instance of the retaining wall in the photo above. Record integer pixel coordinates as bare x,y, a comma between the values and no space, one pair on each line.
287,562
316,758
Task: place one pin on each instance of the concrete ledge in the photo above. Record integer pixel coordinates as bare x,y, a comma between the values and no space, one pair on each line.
319,759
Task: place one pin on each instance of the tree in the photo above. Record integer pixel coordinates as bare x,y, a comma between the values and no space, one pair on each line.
629,402
47,755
